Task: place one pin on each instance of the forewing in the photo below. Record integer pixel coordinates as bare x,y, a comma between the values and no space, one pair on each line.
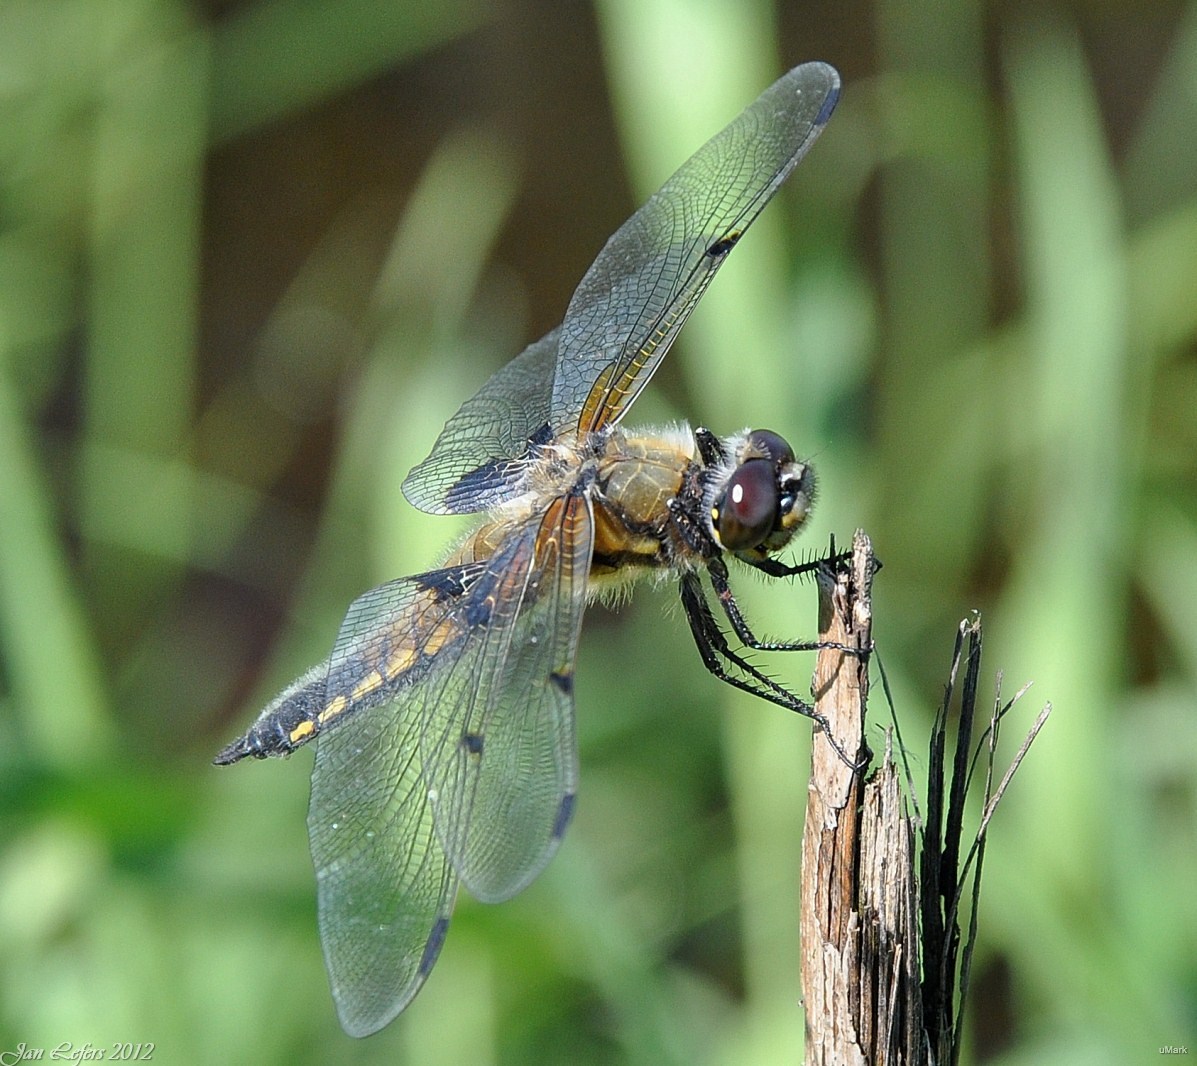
629,306
499,748
645,282
477,461
385,889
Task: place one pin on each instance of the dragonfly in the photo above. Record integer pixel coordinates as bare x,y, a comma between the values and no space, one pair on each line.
447,753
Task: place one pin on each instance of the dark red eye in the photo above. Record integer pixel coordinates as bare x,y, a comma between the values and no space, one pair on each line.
746,510
766,444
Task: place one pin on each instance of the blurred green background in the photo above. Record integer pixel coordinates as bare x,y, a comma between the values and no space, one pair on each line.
253,254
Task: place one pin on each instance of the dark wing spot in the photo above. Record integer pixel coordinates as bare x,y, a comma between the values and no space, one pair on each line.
472,742
563,681
724,244
564,814
478,612
483,480
447,584
828,106
433,945
487,483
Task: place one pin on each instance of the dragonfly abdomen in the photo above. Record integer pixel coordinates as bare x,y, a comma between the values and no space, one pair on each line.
362,672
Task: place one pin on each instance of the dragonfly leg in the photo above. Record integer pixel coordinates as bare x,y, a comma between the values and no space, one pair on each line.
732,668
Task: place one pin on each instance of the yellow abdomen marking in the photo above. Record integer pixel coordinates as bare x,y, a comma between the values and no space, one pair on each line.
304,729
366,685
334,708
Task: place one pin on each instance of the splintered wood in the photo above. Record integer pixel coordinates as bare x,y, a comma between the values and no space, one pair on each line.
859,966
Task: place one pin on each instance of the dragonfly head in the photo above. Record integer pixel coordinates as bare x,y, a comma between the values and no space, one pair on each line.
762,499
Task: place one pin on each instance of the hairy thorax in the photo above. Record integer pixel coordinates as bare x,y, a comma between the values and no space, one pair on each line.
630,479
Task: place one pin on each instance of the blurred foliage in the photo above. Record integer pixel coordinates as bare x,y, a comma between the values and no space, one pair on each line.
253,254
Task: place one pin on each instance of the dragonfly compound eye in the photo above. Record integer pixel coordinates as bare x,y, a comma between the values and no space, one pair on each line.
746,510
765,444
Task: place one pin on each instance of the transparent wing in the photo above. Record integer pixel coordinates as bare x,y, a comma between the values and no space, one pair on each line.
629,306
421,774
476,461
385,890
645,282
499,749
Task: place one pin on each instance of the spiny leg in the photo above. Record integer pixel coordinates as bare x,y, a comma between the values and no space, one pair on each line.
727,600
715,651
712,644
776,568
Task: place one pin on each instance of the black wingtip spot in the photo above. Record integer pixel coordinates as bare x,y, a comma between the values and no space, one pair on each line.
432,947
824,114
565,814
563,681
